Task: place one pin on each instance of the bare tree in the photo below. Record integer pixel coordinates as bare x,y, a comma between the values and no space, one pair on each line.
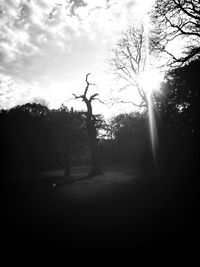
130,60
91,127
176,20
133,63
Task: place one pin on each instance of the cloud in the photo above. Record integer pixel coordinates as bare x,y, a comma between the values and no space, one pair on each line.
28,27
44,43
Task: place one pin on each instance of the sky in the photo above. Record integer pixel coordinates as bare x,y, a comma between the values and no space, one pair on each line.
48,46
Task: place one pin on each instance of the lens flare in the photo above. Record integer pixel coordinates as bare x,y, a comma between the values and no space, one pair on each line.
150,80
152,125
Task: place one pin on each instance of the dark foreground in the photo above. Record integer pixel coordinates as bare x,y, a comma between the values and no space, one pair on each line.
55,218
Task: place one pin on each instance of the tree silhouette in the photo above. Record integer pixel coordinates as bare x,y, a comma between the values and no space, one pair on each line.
36,138
25,143
133,63
128,140
91,127
67,133
179,110
178,19
130,60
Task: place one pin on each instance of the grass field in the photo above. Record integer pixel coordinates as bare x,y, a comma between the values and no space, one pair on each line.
116,211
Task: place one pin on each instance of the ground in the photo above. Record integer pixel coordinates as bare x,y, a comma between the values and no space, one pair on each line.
115,211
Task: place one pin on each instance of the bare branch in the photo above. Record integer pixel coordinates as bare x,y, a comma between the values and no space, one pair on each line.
120,101
77,97
102,102
84,98
93,97
177,18
129,59
88,84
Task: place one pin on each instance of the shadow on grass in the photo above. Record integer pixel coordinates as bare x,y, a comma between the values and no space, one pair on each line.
129,216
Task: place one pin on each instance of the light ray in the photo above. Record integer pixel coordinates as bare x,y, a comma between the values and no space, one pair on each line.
152,126
148,81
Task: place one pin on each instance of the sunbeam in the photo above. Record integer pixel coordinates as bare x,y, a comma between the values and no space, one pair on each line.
152,125
150,79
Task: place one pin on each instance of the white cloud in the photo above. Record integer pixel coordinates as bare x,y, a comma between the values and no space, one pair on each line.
49,44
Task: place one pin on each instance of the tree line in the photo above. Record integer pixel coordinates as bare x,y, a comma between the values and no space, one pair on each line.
33,137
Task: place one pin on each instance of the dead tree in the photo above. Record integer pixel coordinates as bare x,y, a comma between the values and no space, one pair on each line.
91,128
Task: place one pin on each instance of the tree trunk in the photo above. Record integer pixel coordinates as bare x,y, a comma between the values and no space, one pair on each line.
96,167
91,128
67,162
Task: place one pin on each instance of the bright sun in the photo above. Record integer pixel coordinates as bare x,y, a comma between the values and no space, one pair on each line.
150,80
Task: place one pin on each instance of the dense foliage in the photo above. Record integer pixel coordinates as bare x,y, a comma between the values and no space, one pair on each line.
128,141
180,113
35,138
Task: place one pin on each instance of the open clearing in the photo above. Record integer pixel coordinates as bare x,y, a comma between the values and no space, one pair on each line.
114,211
